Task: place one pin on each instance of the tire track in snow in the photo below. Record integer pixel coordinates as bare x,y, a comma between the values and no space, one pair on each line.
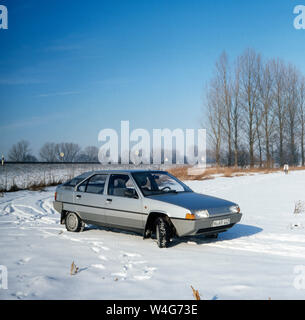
46,205
27,213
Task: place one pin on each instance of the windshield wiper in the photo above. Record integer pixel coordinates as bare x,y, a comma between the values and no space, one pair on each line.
169,191
157,193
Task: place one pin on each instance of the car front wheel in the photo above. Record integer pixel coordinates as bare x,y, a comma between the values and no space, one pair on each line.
162,233
74,223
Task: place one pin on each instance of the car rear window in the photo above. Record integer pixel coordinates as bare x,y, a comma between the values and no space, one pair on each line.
73,182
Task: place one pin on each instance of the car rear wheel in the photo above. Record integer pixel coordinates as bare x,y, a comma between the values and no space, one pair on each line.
74,223
163,233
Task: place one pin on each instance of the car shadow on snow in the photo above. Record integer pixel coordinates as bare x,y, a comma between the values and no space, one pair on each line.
111,229
238,231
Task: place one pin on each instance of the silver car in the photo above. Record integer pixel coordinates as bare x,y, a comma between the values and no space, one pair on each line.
154,203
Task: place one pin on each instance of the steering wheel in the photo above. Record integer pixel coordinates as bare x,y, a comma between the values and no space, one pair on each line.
166,187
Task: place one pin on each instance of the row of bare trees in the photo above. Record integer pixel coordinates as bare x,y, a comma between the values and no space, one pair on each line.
255,111
53,152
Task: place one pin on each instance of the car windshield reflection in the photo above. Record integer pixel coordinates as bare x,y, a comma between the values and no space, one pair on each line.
156,183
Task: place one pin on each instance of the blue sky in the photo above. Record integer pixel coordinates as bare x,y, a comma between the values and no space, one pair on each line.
70,68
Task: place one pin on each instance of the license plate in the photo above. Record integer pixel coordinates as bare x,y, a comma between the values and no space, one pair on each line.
219,223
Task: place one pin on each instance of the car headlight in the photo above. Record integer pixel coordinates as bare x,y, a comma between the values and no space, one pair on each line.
235,209
202,214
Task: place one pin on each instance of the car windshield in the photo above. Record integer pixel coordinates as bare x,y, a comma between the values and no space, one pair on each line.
153,183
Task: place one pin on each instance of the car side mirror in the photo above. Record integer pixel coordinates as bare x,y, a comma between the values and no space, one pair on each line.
131,193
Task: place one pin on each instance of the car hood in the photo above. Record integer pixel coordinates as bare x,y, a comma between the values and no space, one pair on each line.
195,201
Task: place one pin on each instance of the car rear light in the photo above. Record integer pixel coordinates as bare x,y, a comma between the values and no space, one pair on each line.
190,216
55,196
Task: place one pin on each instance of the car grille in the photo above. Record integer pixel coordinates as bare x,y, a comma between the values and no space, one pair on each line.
219,211
219,229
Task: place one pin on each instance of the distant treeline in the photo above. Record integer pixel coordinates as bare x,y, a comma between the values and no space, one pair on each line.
65,152
45,162
50,152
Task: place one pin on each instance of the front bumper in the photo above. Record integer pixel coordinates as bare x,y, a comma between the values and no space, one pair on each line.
186,227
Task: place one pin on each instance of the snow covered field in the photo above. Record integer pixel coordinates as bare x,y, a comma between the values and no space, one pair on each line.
255,259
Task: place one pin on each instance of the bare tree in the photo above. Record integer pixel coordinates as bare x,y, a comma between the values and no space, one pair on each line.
69,151
301,115
89,154
259,112
267,107
21,152
292,111
279,74
48,152
225,96
250,65
215,117
236,110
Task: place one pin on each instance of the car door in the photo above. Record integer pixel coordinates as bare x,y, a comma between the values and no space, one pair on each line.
123,204
89,199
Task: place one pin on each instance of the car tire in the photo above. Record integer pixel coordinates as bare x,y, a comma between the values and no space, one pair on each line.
163,233
74,223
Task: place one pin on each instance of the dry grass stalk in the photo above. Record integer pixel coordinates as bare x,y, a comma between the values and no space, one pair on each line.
228,173
181,172
299,207
196,294
239,175
74,269
208,178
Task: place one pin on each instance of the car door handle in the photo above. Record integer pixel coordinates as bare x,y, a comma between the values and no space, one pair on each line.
108,200
78,196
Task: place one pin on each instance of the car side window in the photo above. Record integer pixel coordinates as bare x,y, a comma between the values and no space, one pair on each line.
121,185
95,184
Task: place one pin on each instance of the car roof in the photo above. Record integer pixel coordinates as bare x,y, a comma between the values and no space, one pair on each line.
121,171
